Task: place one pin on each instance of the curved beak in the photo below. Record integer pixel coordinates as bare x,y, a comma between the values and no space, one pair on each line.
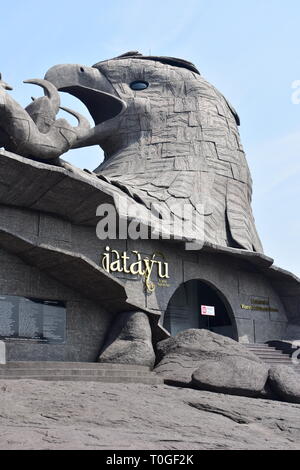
93,89
4,85
49,89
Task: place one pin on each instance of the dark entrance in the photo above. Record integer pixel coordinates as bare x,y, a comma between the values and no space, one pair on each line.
184,310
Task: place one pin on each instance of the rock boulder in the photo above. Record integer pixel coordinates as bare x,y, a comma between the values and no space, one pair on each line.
129,341
222,364
231,375
285,383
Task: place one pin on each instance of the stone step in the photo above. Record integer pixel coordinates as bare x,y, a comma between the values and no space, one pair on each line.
72,365
267,350
149,379
79,371
279,358
72,372
275,362
273,356
268,353
269,361
284,357
266,357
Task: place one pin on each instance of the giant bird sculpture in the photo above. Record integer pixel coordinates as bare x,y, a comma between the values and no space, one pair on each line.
177,140
169,137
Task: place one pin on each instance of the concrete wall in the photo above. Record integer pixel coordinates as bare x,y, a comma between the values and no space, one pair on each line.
237,281
86,326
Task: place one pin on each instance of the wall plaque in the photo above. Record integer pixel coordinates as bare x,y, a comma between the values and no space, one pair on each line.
28,318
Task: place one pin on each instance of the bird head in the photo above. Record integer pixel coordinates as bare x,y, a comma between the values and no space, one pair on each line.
154,100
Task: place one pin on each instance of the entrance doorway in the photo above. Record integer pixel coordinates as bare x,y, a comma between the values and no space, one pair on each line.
184,310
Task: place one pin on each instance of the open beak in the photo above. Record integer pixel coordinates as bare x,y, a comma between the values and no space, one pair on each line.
101,105
93,89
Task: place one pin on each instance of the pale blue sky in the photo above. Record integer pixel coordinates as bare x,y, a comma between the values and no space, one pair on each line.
248,49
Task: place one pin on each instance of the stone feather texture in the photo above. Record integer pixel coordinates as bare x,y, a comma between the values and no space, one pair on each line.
178,142
175,143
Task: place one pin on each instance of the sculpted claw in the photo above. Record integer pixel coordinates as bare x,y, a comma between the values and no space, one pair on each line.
49,90
34,132
3,84
83,123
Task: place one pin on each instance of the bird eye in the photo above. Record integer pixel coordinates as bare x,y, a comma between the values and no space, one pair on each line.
81,69
139,85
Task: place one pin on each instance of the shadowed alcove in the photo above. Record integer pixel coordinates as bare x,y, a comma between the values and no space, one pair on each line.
184,310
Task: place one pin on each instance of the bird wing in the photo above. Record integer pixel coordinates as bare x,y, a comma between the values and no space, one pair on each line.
223,203
240,217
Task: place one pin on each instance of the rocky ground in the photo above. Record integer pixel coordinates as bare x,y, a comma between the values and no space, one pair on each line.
80,415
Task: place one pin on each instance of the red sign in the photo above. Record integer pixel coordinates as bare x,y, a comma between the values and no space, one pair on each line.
208,311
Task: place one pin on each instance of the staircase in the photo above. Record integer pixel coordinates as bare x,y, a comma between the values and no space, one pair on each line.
274,355
79,371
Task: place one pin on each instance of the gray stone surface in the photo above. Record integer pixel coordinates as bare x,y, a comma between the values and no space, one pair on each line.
285,383
179,127
233,375
81,415
129,341
181,355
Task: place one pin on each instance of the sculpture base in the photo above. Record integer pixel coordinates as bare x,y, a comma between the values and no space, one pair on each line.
50,252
